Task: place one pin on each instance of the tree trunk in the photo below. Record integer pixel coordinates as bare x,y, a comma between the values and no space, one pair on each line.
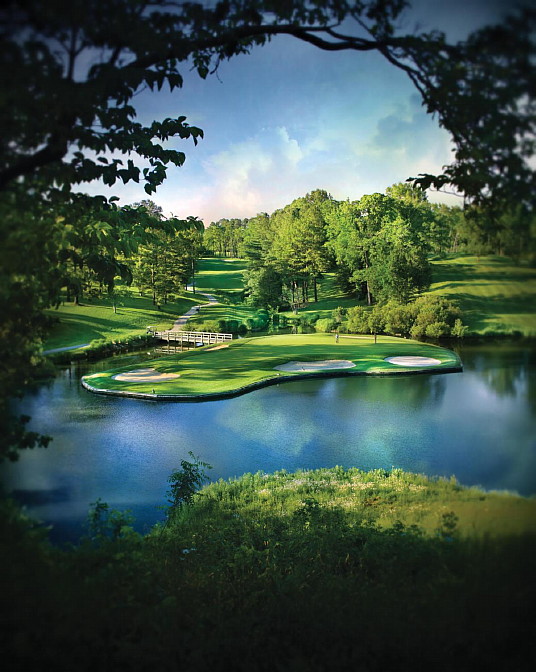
369,296
315,288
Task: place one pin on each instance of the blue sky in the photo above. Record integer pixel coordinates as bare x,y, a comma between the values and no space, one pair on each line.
290,118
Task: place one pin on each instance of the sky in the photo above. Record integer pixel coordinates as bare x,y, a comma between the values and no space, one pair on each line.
289,118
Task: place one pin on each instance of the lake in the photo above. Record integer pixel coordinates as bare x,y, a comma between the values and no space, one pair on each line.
479,425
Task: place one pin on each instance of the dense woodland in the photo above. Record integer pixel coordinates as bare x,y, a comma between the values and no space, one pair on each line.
380,248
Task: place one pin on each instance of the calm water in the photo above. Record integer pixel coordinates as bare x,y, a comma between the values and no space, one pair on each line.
479,425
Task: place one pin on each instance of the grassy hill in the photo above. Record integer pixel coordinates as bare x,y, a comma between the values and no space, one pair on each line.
495,295
320,570
214,275
95,319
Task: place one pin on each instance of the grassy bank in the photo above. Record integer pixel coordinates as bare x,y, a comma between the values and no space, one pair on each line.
95,319
250,361
318,570
495,295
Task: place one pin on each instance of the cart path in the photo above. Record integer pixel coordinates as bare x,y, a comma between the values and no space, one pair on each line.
177,325
181,321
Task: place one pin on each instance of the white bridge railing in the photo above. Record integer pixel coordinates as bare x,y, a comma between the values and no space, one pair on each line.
192,336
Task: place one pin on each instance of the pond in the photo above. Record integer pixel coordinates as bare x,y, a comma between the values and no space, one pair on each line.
479,425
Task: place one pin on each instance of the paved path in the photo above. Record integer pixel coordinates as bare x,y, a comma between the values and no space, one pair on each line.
179,324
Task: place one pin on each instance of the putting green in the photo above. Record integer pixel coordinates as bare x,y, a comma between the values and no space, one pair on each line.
250,363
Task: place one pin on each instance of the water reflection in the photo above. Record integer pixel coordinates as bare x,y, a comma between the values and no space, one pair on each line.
479,425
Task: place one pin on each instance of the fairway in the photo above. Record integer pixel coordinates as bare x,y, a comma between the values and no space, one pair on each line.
217,274
495,295
252,363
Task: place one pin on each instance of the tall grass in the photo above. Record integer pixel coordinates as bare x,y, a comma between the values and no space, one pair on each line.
317,570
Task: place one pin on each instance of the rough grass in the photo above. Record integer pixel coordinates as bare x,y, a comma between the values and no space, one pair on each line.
250,361
380,496
311,571
495,295
96,319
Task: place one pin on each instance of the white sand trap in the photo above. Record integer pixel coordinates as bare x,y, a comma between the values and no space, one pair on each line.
145,376
406,360
316,366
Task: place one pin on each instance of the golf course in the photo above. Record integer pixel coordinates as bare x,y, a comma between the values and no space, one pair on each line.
247,364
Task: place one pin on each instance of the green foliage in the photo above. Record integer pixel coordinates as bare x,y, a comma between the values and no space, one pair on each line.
105,524
326,325
428,316
337,568
185,482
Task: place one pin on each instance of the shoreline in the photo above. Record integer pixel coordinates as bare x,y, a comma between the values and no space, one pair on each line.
275,380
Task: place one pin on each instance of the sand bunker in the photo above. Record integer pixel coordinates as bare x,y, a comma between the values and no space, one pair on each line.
145,376
413,361
316,366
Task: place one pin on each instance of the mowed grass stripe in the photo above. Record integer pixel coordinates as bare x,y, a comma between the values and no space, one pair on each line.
215,274
249,362
495,295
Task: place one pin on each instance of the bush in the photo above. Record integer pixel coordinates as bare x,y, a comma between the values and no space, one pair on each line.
339,314
437,329
428,316
398,318
358,320
326,325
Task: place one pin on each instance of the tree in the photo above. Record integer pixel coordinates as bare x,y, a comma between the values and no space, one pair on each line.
184,482
298,248
379,242
264,287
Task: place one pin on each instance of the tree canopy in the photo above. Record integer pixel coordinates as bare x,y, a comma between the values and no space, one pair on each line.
70,74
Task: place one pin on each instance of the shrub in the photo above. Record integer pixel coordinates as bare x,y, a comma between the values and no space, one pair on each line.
437,329
358,320
326,324
398,318
339,314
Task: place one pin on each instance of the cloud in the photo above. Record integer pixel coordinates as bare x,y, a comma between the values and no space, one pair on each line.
247,177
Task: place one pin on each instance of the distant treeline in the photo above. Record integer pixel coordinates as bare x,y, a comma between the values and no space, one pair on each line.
379,246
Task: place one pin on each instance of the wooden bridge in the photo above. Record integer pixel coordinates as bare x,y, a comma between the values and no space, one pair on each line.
196,337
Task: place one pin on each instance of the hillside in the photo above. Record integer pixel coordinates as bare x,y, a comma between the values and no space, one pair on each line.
331,569
95,318
495,295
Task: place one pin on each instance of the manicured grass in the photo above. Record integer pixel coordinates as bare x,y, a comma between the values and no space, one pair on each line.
251,361
96,319
223,311
215,274
495,295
